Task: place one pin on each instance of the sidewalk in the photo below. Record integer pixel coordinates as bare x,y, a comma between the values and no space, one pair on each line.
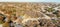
0,25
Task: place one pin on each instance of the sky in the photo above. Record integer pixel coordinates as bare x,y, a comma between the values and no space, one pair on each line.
30,1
